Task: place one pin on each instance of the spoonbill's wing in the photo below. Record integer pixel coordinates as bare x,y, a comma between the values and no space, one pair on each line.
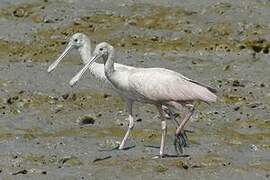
159,84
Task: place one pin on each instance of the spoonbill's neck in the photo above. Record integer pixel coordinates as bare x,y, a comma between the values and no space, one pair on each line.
85,51
97,69
109,64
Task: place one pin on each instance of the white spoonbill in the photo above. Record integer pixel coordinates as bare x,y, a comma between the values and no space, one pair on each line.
157,86
82,43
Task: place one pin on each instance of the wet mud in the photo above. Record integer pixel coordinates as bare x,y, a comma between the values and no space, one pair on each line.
49,130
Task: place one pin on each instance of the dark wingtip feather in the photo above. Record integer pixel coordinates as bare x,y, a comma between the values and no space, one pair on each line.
211,89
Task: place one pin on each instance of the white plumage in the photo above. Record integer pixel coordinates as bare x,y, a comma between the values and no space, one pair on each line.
82,43
156,86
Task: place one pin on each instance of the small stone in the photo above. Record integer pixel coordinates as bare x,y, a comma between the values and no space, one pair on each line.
182,164
155,38
119,122
236,83
65,96
139,120
194,62
74,97
256,48
85,120
77,22
99,114
132,22
266,50
46,20
160,168
9,101
226,67
20,12
242,47
236,108
253,147
21,92
106,95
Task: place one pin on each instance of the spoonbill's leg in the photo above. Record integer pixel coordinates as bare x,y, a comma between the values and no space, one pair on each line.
130,125
185,120
182,137
178,134
164,131
168,113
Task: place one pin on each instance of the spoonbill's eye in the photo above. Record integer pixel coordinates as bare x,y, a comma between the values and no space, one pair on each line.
76,40
101,49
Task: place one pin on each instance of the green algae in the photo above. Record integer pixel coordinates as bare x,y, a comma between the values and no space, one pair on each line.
32,133
220,8
23,101
21,11
70,161
100,26
232,99
36,159
235,137
160,168
210,160
159,17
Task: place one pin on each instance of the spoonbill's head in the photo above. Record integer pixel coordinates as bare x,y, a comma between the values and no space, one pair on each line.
77,41
102,50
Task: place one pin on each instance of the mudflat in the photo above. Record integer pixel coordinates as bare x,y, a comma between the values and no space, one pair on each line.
49,130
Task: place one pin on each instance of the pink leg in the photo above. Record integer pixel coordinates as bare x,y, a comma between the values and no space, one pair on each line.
180,137
130,125
185,120
164,131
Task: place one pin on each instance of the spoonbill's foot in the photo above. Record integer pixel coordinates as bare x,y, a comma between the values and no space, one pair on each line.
180,141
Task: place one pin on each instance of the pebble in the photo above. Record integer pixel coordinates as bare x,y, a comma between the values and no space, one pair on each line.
253,147
20,12
85,120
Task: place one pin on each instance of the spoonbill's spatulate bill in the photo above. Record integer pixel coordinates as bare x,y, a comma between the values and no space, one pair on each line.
157,86
82,43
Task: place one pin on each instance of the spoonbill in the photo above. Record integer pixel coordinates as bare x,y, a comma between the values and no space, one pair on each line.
82,43
157,86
